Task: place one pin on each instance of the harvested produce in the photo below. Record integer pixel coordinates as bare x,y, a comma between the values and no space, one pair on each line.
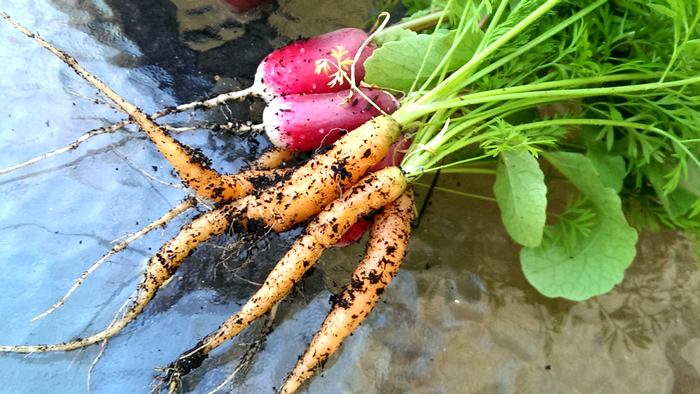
309,70
386,249
311,66
245,5
304,122
372,192
486,88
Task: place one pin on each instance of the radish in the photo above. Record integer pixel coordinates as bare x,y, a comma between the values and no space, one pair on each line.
289,70
310,65
245,5
393,158
304,122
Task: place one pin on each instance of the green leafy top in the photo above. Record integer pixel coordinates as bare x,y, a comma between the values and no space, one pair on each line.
598,80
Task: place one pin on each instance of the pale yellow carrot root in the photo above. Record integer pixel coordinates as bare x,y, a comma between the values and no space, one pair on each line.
386,249
159,270
304,194
280,207
192,167
347,164
372,192
342,166
245,182
230,187
273,158
322,179
186,204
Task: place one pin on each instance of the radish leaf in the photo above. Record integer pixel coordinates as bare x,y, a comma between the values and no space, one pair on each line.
581,172
610,166
589,267
522,196
397,64
582,267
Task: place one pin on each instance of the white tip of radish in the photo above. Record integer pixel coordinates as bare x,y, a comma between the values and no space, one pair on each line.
259,89
272,122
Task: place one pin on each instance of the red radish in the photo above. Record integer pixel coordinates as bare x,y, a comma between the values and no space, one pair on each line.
245,5
305,122
393,158
311,66
354,233
396,153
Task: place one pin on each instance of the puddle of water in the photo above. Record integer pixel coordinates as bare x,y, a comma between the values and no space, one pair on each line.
459,317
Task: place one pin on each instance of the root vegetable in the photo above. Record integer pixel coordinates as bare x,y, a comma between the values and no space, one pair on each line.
186,204
191,166
354,233
159,270
304,194
308,189
311,65
230,187
466,105
288,70
320,181
372,192
397,151
304,122
273,158
386,249
340,169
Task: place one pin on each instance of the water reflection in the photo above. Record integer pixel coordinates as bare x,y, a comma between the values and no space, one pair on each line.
460,317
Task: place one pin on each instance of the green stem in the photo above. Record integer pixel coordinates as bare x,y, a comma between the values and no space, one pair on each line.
452,191
415,24
469,170
415,111
441,68
495,20
433,125
415,173
677,48
455,81
430,46
475,121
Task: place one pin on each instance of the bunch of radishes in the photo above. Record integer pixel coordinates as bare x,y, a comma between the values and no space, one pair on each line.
311,99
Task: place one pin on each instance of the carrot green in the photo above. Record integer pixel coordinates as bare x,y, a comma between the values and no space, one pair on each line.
606,92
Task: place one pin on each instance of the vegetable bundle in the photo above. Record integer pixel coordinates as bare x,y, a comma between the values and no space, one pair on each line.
593,92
